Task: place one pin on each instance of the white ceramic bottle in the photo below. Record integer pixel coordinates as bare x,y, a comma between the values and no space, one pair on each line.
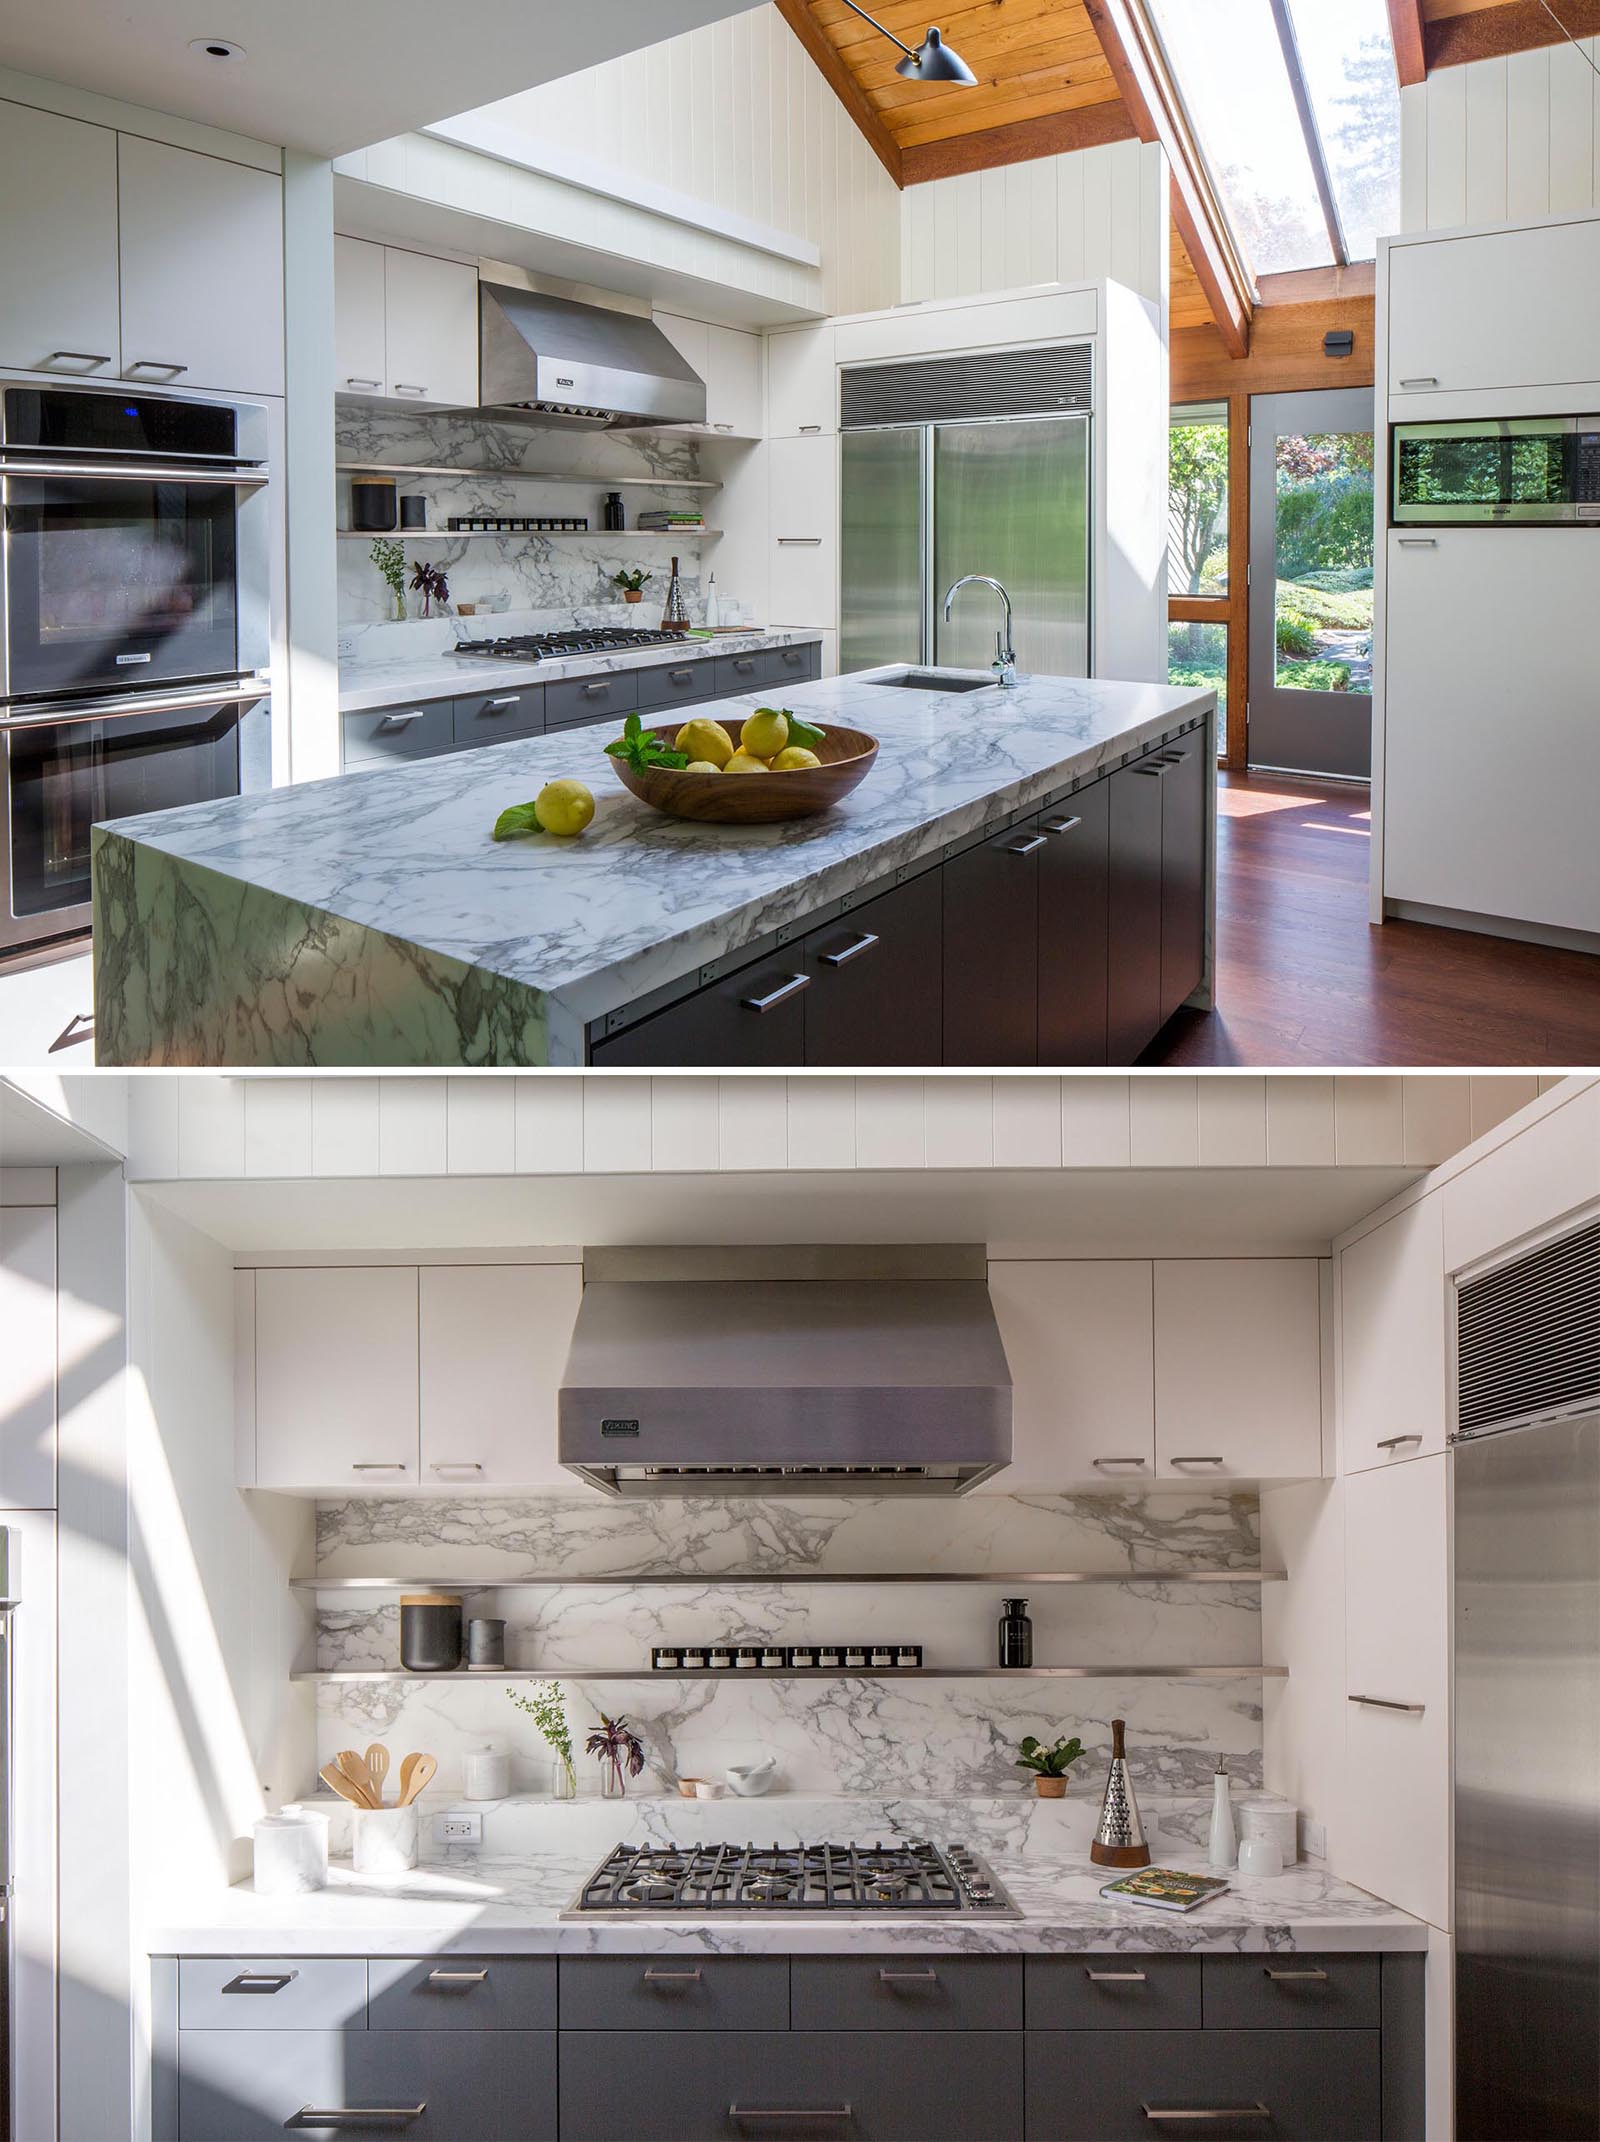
1222,1838
713,607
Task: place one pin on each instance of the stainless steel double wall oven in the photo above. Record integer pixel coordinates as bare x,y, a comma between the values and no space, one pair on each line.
134,623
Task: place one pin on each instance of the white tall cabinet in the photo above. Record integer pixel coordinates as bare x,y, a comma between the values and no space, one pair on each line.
58,244
28,1356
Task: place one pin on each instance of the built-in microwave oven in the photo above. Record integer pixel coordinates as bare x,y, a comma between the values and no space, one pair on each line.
1534,470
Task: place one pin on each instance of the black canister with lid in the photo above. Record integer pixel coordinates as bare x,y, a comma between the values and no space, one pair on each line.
430,1632
1016,1634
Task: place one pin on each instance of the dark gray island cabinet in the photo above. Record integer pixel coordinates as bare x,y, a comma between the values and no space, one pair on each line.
1081,2047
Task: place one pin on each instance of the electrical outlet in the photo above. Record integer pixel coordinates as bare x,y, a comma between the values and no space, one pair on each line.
459,1826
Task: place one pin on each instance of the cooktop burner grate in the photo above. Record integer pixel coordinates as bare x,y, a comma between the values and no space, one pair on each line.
540,646
913,1876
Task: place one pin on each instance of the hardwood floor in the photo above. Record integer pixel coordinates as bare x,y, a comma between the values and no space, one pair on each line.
1304,978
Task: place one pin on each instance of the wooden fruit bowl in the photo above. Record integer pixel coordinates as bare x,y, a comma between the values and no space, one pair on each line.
757,799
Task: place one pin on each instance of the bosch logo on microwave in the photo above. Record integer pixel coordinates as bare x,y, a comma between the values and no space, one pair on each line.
560,382
627,1428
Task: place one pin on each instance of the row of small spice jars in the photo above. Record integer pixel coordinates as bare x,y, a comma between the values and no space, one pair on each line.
793,1658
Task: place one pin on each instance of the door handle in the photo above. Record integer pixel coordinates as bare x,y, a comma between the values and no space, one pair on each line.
373,1466
364,383
864,943
593,691
1256,2111
1196,1461
1392,1442
458,1978
780,995
401,388
1153,767
1114,1978
498,706
740,2114
1268,1972
155,364
808,428
656,1977
455,1465
1419,542
357,2115
260,1981
908,1978
399,721
1385,1703
1060,825
1120,1461
804,541
1428,381
77,356
681,676
1027,845
743,663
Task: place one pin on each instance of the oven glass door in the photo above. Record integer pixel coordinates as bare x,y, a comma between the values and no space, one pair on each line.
65,777
114,581
1515,470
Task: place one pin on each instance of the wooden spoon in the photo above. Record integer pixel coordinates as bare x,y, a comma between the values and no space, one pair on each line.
378,1767
355,1769
334,1778
416,1773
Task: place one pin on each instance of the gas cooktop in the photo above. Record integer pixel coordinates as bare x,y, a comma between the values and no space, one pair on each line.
538,646
819,1880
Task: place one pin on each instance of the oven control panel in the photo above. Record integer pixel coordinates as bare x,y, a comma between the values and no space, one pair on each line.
1586,469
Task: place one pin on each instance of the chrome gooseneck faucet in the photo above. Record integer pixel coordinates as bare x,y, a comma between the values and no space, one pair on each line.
1004,664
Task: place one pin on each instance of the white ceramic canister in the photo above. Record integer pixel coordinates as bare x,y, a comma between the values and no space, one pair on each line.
291,1852
1260,1856
488,1774
1271,1819
385,1839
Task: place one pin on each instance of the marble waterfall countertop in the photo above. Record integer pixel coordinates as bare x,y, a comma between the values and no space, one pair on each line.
381,680
371,918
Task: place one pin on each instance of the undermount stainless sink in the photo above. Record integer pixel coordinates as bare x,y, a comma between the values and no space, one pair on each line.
929,680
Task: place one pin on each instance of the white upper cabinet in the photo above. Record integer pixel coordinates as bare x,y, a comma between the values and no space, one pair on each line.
1238,1369
1514,308
28,1357
336,1377
58,245
430,312
1079,1337
493,1345
1392,1386
1534,1181
802,383
201,247
358,331
733,382
804,552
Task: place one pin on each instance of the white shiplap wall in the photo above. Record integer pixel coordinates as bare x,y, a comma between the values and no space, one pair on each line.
1502,139
1069,219
736,115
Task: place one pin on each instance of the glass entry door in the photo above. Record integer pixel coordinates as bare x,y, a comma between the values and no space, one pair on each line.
1311,573
1011,499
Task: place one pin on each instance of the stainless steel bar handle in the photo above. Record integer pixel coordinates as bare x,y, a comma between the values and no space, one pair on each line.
654,1976
1114,1978
240,479
1026,846
1393,1442
1155,768
1196,1461
790,2112
77,356
864,943
363,382
591,691
401,388
146,703
780,995
1428,381
155,364
1419,542
1385,1703
1121,1461
357,2115
1268,1972
804,541
455,1465
929,1977
1257,2111
498,706
458,1978
744,662
388,1465
681,676
808,428
399,721
260,1981
1060,825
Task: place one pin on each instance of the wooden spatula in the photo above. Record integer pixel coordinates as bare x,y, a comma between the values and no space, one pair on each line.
416,1772
378,1766
355,1769
336,1781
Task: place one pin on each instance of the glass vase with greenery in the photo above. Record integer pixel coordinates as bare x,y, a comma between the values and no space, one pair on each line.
546,1706
389,556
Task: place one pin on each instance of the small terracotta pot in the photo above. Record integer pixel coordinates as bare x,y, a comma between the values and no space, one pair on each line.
633,594
1050,1788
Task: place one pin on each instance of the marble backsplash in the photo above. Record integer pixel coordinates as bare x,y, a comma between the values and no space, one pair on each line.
527,582
903,1737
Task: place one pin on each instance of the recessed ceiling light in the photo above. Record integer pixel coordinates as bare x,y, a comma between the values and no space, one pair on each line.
216,48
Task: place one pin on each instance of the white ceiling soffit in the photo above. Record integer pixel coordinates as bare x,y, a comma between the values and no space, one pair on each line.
325,77
33,1136
1127,1212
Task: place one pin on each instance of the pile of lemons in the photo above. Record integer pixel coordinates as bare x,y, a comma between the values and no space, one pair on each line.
763,746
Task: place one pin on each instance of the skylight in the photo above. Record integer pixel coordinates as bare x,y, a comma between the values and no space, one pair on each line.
1228,60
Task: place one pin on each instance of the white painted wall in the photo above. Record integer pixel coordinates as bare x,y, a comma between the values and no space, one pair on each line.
1068,219
1502,139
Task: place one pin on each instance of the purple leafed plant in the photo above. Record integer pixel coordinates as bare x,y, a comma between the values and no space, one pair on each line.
430,583
614,1741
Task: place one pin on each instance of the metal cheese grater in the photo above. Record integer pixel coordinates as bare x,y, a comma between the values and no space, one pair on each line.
1119,1841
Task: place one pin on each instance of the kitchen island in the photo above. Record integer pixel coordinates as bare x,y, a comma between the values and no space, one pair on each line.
371,920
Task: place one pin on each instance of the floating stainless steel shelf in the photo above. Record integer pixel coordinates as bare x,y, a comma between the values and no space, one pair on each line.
576,479
814,1673
515,535
997,1580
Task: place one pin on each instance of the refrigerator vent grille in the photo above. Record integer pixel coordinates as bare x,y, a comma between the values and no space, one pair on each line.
1528,1337
999,383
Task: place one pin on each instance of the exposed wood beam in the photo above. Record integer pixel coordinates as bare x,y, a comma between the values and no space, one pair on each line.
1519,26
1090,127
1157,112
1303,286
1286,355
1405,31
843,84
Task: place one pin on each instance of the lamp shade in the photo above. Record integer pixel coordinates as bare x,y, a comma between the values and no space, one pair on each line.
933,61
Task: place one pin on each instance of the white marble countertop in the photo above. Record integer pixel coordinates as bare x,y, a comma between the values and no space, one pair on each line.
512,1906
381,680
579,928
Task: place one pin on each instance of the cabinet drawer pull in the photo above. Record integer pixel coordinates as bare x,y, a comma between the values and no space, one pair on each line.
1257,2111
400,721
458,1978
744,663
157,364
1155,769
681,676
1027,845
373,1465
1393,1442
809,427
363,382
455,1465
400,387
742,2113
1114,1978
1268,1972
1386,1703
791,655
77,356
1060,825
1428,381
864,943
654,1976
1419,542
498,706
357,2115
260,1981
595,691
929,1977
780,995
810,542
1196,1461
1121,1461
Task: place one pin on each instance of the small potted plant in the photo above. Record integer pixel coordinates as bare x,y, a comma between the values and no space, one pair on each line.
631,580
1049,1765
619,1748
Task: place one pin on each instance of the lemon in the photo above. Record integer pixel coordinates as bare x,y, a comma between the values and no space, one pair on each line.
563,807
765,733
702,766
705,741
792,757
746,762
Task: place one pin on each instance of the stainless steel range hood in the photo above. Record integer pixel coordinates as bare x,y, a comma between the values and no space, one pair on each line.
580,364
800,1371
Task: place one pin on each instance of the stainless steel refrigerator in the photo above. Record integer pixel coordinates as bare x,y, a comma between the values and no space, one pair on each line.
1527,1711
973,464
8,1601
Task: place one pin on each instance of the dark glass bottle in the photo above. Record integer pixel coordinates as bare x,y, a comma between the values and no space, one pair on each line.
615,517
1016,1634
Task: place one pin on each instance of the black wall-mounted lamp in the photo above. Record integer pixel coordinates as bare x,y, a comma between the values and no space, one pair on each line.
932,61
1338,342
